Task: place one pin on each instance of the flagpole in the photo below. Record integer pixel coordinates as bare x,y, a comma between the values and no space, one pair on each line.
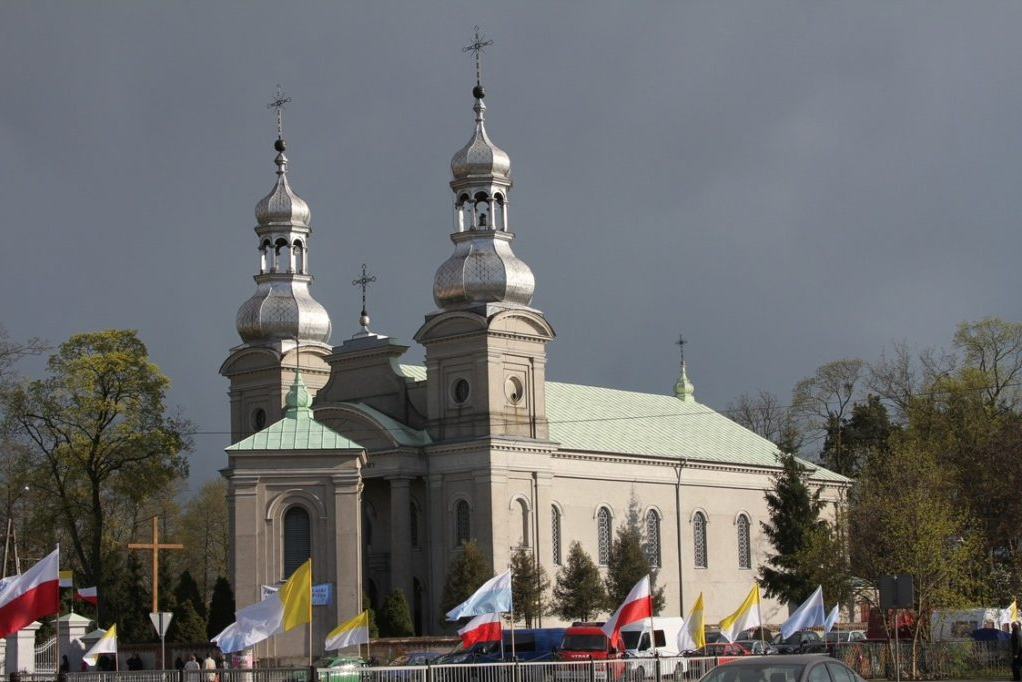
759,609
652,637
512,619
56,622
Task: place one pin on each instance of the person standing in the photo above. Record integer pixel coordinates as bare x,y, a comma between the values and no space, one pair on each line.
209,665
1016,653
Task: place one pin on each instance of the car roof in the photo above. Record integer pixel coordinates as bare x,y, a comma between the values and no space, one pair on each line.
799,659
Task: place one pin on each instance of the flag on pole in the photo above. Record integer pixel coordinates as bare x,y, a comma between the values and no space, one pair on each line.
107,644
67,578
31,595
747,616
349,633
89,594
636,606
828,624
278,612
1013,611
230,640
296,596
808,615
484,628
493,597
693,633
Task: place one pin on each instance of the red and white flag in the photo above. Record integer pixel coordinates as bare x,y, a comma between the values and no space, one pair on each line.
484,628
88,594
636,606
31,595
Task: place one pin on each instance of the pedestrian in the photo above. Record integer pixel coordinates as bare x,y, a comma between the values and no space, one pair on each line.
179,664
1016,653
209,665
65,665
192,664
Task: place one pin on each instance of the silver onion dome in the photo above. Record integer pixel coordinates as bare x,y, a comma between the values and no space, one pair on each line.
483,269
282,307
480,157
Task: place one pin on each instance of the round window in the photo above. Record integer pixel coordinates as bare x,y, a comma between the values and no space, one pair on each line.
460,390
514,390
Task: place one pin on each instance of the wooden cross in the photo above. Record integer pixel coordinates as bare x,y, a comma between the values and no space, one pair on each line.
155,546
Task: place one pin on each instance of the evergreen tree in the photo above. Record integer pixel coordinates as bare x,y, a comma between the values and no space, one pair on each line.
627,564
188,590
794,528
467,573
221,607
529,585
395,617
579,594
187,626
125,598
367,604
851,443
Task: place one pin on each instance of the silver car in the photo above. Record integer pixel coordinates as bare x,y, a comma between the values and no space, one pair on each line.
793,668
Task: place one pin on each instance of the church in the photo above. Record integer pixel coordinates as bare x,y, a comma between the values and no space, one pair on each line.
379,470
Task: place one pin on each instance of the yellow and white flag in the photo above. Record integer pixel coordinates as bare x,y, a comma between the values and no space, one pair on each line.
693,634
66,578
1013,611
107,644
349,633
747,616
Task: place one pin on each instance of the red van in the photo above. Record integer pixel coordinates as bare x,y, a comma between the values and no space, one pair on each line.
584,643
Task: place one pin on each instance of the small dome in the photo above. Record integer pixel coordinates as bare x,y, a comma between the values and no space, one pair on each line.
280,310
282,206
298,396
480,156
483,269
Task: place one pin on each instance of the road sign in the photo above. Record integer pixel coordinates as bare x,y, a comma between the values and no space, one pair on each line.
161,621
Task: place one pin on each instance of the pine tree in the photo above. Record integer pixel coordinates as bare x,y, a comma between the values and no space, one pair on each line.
187,626
579,594
627,565
367,604
794,529
529,586
188,590
221,607
395,617
467,573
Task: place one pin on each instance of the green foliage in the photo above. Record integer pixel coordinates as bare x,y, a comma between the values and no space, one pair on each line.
374,630
627,565
126,595
852,442
529,585
469,569
188,590
579,593
202,529
395,617
221,607
97,426
796,532
187,626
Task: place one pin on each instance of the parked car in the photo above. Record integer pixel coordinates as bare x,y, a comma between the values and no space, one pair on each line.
802,642
723,649
587,642
784,668
758,647
415,658
345,668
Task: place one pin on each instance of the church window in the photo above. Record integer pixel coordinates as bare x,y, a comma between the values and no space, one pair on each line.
297,539
514,390
462,528
603,535
259,419
555,534
413,524
744,549
523,512
653,538
460,391
699,533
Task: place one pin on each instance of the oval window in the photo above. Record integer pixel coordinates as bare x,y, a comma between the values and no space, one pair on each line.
460,391
514,390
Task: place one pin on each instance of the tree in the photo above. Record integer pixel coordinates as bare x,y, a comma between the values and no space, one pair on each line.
395,618
187,626
579,593
12,351
765,415
187,589
628,564
97,425
994,347
203,530
221,607
852,441
469,570
825,398
529,585
794,530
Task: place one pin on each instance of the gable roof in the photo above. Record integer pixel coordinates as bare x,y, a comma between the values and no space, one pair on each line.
296,431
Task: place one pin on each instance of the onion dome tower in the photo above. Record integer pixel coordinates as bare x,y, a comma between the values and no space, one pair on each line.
282,327
485,345
683,388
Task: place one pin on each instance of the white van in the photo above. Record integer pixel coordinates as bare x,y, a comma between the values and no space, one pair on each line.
664,641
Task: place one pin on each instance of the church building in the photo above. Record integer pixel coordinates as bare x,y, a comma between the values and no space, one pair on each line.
379,470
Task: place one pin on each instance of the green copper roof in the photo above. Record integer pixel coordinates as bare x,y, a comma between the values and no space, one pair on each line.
297,430
402,433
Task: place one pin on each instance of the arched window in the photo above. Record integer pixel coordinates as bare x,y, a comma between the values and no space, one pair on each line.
462,529
699,540
744,549
297,539
523,513
555,534
413,524
653,538
603,535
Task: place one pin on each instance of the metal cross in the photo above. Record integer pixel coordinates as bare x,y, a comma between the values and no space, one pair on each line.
156,547
476,47
681,342
364,281
278,104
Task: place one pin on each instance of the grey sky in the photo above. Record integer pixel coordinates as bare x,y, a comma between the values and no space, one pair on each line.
784,183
